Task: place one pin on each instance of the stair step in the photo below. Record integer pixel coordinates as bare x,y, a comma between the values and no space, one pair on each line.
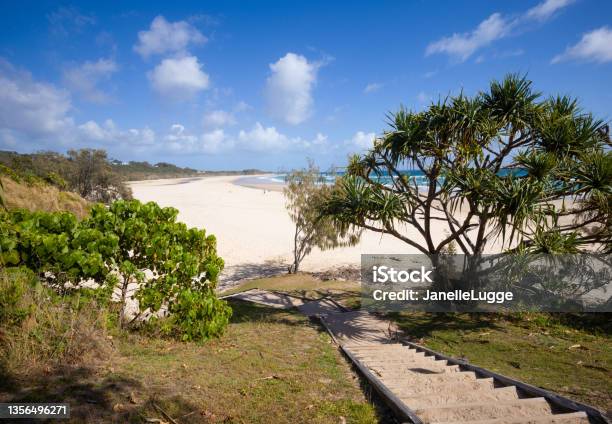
569,418
522,408
413,369
379,346
427,388
415,378
458,397
406,360
390,355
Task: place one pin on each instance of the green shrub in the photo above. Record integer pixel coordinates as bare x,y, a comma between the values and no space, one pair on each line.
197,315
114,247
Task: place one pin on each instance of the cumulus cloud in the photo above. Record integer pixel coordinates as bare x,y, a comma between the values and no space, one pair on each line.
289,88
269,139
85,78
167,37
594,46
110,133
219,118
460,46
361,141
216,141
372,87
31,107
179,78
263,138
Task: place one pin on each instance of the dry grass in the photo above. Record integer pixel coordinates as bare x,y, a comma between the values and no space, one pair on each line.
40,331
42,197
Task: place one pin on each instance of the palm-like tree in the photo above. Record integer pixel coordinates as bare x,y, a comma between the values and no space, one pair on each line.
533,173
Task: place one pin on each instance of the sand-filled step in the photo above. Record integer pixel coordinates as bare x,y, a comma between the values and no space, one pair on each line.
568,418
390,355
523,408
408,390
425,379
457,397
415,367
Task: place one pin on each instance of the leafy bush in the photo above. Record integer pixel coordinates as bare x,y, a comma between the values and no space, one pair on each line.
115,248
197,315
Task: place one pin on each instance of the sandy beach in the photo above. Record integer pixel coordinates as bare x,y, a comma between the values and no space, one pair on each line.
253,230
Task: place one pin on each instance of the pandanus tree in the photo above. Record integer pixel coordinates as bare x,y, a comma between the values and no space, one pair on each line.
505,166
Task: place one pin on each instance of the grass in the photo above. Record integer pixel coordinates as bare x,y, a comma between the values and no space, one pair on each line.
42,197
568,354
269,366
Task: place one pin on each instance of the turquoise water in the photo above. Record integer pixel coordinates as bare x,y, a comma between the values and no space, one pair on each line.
330,177
417,176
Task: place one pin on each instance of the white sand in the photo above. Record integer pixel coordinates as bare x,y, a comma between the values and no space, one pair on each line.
253,230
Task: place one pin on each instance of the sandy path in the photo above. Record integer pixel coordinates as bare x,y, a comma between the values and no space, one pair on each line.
253,230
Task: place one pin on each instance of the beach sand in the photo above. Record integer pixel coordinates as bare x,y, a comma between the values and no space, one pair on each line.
253,230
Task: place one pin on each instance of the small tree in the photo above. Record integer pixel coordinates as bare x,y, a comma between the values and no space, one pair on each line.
305,193
503,165
92,177
149,238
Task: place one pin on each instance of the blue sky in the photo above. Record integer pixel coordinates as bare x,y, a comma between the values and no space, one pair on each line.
232,85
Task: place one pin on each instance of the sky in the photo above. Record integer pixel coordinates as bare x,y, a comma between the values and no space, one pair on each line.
245,84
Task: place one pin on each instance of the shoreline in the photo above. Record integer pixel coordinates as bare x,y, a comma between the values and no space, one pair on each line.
254,181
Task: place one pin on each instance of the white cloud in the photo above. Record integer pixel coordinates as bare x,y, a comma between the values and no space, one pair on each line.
216,141
167,37
219,118
30,107
262,138
547,8
109,133
179,78
372,87
269,139
461,46
289,88
361,141
180,141
594,46
84,79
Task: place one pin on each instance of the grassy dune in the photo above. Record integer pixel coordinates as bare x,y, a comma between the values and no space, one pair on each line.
42,197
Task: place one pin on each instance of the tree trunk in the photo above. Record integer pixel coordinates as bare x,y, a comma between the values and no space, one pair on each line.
124,289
